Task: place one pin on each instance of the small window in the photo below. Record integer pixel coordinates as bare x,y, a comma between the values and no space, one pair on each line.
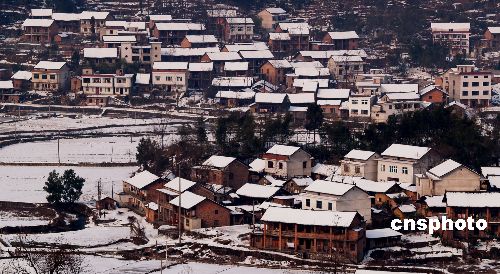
404,170
52,77
382,168
216,212
475,92
330,206
475,84
357,169
308,202
44,76
270,164
319,204
485,84
486,92
280,165
304,164
465,93
465,84
36,76
346,168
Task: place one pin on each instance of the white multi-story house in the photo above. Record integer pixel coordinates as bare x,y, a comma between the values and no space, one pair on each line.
345,68
360,163
453,35
172,76
287,161
93,21
145,54
326,195
400,163
106,84
238,29
50,76
467,85
360,104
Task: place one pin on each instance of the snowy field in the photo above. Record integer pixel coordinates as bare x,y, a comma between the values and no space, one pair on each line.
11,219
194,268
25,184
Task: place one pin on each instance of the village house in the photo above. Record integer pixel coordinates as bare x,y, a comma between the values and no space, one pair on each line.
333,196
92,22
7,94
67,22
200,75
41,31
323,56
238,29
299,34
177,54
219,59
116,41
400,163
138,190
172,33
360,163
256,58
21,80
433,94
229,98
455,36
51,76
172,77
41,13
396,104
142,84
382,237
468,85
271,17
237,47
297,185
236,69
250,194
315,233
279,43
221,170
344,68
143,54
343,40
323,171
432,206
360,104
232,83
199,41
158,18
216,18
101,55
478,205
492,38
287,161
447,176
118,84
331,108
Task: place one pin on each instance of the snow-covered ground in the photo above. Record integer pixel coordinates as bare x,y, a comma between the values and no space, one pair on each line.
25,183
12,219
194,268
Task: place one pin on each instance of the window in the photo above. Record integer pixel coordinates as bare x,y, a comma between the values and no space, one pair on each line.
393,169
216,212
465,84
346,168
382,168
280,165
179,79
330,206
364,112
430,97
157,78
86,80
354,102
319,204
36,76
364,102
475,92
52,77
308,202
485,92
44,76
357,169
304,164
404,170
486,84
270,164
465,93
475,84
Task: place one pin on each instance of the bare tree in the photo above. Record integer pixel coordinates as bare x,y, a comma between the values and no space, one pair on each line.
161,129
58,259
137,231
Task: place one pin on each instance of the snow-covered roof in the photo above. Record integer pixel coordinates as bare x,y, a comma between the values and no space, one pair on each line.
340,35
488,171
407,208
184,26
274,182
429,88
346,58
301,98
311,71
279,36
229,94
403,96
257,165
176,51
372,186
406,151
118,38
235,66
295,28
494,181
66,17
246,46
256,54
98,15
325,170
444,168
303,181
232,82
160,17
170,65
174,184
218,161
435,201
283,150
222,12
312,64
307,83
152,206
473,199
308,217
359,154
325,54
6,84
445,27
194,39
41,12
382,233
239,20
49,65
223,56
187,200
203,66
333,93
257,191
272,98
280,63
408,186
142,179
22,75
37,22
366,271
100,53
398,88
328,102
275,10
494,30
327,187
142,78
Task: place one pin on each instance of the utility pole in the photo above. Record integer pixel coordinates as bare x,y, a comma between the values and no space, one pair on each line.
180,195
253,216
99,195
58,147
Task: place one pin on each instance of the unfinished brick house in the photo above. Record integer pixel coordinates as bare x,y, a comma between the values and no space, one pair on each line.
221,170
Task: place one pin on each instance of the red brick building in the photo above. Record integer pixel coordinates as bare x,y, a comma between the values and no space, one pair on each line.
433,94
221,170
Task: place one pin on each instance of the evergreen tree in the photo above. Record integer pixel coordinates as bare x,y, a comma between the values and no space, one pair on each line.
146,152
201,132
314,119
63,189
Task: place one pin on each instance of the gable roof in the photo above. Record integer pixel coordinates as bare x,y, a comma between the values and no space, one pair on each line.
188,200
333,93
434,201
444,168
257,191
327,187
100,52
98,15
22,75
257,165
219,161
179,26
170,65
429,88
49,65
359,154
406,151
325,170
309,217
142,179
283,150
338,35
271,98
398,88
275,10
185,184
473,199
37,22
382,233
489,171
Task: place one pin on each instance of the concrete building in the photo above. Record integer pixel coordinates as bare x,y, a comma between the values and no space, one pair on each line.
93,22
360,104
221,170
40,31
271,17
171,76
492,38
106,84
238,30
50,76
145,54
287,161
345,68
453,35
360,163
467,85
342,40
